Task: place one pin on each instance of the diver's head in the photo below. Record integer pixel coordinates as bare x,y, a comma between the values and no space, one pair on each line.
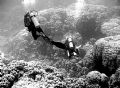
30,18
70,39
33,13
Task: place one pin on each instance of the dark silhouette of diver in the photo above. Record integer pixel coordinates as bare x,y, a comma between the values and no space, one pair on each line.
31,22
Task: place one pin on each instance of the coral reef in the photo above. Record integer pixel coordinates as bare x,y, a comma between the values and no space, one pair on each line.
114,79
111,27
104,56
21,74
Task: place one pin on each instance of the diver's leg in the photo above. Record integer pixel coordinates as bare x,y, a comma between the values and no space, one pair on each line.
46,38
35,36
39,29
68,54
77,51
58,44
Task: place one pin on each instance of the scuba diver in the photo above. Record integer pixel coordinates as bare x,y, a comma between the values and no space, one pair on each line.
31,22
71,49
33,25
68,46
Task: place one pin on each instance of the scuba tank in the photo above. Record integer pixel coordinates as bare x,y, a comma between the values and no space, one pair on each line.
71,49
33,15
30,19
70,44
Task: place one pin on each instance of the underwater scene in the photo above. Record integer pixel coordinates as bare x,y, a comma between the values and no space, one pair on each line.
59,43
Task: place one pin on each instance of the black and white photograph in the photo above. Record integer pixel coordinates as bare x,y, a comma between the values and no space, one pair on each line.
59,43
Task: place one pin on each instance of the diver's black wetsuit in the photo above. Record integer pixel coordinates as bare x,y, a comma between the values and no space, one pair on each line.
59,45
36,31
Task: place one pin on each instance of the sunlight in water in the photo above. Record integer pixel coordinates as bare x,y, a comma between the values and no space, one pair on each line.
78,7
29,4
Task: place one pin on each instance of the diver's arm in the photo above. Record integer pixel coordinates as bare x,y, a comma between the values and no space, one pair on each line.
58,44
77,47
